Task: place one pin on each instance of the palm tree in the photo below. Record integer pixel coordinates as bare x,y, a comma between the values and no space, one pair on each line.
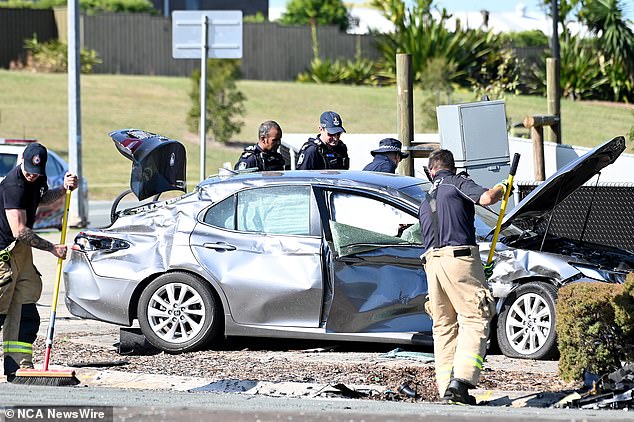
604,18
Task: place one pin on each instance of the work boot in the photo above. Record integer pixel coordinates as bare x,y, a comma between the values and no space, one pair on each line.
458,392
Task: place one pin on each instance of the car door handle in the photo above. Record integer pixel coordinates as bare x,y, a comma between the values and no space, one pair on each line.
220,246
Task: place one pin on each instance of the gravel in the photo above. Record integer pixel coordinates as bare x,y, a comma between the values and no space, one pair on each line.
286,361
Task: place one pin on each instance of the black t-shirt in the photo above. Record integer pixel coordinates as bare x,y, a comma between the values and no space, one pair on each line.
17,193
456,196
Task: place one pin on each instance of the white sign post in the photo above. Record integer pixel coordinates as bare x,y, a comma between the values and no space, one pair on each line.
206,34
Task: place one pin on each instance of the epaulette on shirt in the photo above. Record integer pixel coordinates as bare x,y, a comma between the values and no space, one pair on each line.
248,151
310,142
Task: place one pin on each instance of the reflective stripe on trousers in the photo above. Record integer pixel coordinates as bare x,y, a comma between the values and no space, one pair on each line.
461,307
17,302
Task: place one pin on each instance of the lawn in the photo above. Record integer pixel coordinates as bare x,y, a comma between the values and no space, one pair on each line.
35,105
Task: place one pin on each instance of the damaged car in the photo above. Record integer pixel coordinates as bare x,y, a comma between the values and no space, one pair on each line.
331,255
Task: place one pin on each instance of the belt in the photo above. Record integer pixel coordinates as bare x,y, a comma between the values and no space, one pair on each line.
456,253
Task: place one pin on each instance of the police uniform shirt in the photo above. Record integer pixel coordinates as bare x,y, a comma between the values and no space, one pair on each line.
381,163
17,193
315,155
456,196
254,157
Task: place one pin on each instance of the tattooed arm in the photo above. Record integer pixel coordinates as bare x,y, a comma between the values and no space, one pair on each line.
52,195
17,222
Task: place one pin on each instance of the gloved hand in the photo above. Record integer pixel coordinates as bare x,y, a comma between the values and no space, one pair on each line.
505,185
488,270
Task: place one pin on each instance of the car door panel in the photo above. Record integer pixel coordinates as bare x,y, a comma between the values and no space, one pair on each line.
270,274
383,290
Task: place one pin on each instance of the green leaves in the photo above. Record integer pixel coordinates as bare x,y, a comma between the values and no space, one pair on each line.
316,12
224,100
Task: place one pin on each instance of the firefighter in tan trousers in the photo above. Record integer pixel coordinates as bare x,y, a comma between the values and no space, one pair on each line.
21,191
460,303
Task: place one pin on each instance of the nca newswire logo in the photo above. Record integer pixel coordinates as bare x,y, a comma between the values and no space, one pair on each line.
58,413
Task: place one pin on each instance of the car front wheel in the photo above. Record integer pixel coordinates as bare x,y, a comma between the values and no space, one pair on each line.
178,312
526,324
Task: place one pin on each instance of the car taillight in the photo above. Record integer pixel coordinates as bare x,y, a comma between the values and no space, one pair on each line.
87,243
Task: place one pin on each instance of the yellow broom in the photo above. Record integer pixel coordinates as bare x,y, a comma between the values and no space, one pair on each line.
45,376
488,268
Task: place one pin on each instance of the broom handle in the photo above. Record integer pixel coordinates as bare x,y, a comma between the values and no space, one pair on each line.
507,193
58,277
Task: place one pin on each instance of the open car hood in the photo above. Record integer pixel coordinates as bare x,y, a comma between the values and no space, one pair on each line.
545,197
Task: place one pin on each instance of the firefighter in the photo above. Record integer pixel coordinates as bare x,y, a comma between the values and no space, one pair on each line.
21,191
263,155
326,151
460,303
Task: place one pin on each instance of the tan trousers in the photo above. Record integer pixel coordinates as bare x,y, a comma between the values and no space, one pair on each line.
20,284
461,308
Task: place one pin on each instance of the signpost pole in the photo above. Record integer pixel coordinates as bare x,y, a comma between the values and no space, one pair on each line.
203,98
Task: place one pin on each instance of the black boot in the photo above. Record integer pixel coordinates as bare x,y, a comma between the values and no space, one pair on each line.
458,392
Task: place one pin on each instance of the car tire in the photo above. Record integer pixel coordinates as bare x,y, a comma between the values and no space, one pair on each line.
178,312
526,324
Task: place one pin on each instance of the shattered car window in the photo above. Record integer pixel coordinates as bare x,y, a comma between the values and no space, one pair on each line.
275,210
370,214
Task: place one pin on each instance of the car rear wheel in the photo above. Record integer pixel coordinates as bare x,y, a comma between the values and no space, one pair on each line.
178,312
526,324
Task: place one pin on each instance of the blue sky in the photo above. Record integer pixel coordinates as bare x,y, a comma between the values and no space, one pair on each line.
490,5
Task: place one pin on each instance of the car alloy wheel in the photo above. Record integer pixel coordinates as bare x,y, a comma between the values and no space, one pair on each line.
178,313
526,325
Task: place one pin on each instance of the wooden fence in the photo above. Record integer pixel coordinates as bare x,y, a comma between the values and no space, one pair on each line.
16,25
141,44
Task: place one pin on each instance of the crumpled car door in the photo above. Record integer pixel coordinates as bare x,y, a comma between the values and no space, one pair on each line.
378,281
261,246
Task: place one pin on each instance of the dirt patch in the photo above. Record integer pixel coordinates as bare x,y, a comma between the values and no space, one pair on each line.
306,366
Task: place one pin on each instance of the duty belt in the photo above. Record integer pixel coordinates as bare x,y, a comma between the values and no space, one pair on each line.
5,255
456,253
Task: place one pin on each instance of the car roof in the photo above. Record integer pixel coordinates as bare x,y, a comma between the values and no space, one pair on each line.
404,187
325,177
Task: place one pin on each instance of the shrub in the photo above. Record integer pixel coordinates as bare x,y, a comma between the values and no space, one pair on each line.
52,57
594,327
88,6
224,100
359,71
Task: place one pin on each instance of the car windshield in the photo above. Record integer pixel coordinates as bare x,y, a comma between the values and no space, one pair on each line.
486,221
7,162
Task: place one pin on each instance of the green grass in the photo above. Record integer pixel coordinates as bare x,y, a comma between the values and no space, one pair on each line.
35,105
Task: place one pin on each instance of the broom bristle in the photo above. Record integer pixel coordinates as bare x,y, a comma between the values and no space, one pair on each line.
51,377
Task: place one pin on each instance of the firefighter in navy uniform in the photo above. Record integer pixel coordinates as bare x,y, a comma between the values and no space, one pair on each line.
326,151
21,191
263,155
460,303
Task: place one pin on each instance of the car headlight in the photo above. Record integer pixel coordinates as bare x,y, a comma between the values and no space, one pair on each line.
601,274
89,243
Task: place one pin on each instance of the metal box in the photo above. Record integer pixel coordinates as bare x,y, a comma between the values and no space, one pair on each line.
476,135
474,132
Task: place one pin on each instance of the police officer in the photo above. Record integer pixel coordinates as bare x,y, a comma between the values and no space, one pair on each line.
264,155
460,303
387,156
326,151
21,191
